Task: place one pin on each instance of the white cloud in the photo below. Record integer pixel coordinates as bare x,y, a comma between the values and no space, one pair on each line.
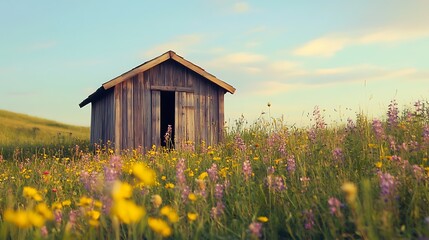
327,46
243,58
241,7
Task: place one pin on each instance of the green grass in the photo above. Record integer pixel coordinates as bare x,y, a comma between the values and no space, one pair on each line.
24,133
387,195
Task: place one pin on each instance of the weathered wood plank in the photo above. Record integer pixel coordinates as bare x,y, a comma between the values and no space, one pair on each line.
172,88
147,113
130,117
118,118
221,99
156,118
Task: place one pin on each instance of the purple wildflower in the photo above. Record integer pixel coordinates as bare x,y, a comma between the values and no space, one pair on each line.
213,172
425,134
180,172
247,169
218,210
377,127
337,155
219,192
239,143
167,136
58,216
350,125
91,181
418,171
291,164
392,114
334,205
320,121
392,143
255,228
308,219
279,184
113,169
387,186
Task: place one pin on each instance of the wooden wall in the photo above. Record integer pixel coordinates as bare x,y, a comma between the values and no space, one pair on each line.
135,106
103,119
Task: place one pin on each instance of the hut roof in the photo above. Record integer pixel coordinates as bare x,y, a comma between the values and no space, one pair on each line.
150,64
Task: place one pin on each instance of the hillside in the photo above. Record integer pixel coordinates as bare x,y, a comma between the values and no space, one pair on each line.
16,128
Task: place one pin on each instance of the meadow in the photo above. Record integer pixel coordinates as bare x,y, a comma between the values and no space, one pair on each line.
366,179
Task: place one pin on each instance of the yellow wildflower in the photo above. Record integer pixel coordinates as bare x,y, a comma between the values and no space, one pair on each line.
35,219
66,203
350,190
379,164
192,197
192,216
159,226
32,193
262,219
127,211
170,213
169,185
85,201
43,210
144,174
156,200
216,158
57,206
203,175
121,190
19,218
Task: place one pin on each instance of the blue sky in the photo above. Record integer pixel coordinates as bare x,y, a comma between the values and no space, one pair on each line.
344,56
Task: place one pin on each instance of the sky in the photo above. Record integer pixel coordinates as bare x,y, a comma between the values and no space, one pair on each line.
346,57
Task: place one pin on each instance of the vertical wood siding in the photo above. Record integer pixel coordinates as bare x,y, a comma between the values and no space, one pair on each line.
131,112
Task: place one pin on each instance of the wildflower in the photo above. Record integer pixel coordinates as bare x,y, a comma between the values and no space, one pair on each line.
159,226
43,210
255,228
218,210
127,211
377,127
113,169
247,169
350,125
19,218
156,200
392,114
121,190
308,219
239,143
262,219
218,192
66,203
425,134
169,185
170,213
192,216
32,193
192,197
201,187
379,164
337,155
203,175
213,172
180,175
334,205
291,164
387,186
146,175
350,190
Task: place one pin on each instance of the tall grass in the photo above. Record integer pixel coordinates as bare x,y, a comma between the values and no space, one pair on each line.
367,179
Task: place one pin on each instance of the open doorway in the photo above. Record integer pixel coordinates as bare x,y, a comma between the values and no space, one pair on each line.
167,118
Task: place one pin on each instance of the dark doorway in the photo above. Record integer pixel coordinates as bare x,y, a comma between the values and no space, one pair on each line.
167,118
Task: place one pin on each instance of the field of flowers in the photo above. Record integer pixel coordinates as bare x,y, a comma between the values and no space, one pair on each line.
367,179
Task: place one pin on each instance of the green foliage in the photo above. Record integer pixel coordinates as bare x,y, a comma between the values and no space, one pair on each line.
317,182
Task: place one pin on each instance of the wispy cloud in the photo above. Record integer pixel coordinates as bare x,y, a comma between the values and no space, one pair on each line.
241,7
38,46
180,44
329,45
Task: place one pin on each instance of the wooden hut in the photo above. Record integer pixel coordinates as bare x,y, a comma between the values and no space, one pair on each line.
134,109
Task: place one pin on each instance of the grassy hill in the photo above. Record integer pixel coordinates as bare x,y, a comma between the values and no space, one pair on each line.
21,129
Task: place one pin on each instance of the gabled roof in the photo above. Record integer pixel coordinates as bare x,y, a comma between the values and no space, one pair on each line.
150,64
